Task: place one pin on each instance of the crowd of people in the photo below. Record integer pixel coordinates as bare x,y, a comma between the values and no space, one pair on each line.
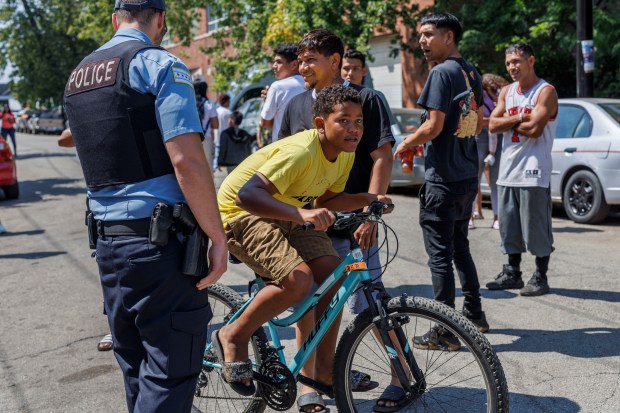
331,149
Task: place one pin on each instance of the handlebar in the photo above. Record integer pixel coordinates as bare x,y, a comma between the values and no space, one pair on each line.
346,220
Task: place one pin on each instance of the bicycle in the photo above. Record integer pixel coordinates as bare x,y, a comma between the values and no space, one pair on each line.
471,379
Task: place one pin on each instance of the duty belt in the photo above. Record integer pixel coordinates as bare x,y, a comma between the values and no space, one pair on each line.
135,227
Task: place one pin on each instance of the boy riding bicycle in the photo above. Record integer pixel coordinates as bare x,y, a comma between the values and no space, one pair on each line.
261,203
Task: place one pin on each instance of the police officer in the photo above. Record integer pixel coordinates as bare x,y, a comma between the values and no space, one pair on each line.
133,117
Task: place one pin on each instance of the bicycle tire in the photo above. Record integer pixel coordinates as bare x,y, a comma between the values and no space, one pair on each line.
212,392
471,379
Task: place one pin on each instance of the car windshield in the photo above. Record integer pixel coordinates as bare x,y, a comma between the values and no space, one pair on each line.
408,122
613,109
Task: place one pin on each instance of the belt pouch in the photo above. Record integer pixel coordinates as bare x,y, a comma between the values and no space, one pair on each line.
91,223
161,222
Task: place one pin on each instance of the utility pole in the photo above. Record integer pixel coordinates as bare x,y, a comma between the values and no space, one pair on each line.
585,50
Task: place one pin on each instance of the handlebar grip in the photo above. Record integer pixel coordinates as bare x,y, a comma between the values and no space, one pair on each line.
308,226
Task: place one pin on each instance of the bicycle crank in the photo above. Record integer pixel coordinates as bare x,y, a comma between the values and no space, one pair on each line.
276,385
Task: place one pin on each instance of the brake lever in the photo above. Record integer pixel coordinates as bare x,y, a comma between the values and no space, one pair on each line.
343,218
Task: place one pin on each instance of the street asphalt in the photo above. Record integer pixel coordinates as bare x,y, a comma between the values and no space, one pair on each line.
560,352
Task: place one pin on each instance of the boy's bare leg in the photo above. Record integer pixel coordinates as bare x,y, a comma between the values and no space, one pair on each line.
270,302
320,365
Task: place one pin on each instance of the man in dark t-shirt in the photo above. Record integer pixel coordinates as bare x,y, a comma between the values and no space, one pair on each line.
377,132
320,57
452,98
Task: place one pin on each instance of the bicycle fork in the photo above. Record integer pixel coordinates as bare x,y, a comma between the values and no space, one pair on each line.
384,325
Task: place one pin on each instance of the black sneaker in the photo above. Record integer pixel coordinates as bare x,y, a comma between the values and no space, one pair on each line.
537,285
480,320
437,338
508,279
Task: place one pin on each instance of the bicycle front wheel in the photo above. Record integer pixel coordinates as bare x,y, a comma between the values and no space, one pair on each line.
468,380
212,393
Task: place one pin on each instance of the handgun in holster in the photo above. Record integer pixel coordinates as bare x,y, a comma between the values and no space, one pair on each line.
161,223
195,260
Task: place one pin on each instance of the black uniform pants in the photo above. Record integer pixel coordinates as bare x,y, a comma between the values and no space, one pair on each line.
158,320
445,209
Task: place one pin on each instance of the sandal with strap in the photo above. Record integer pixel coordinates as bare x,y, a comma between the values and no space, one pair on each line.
234,372
106,343
360,381
392,393
312,399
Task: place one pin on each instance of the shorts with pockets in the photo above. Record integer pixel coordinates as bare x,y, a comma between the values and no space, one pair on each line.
272,248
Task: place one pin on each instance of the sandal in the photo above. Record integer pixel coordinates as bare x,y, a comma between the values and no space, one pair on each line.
311,399
360,381
392,393
106,343
235,371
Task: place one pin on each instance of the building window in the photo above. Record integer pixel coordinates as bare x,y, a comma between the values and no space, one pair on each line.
215,18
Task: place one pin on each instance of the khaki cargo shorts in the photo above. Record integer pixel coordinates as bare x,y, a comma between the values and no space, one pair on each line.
273,248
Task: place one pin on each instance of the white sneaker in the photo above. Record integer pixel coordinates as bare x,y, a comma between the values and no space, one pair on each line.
2,229
495,224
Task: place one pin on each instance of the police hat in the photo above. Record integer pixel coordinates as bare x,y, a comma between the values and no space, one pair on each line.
140,4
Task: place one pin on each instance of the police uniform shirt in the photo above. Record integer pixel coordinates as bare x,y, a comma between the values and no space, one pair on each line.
159,73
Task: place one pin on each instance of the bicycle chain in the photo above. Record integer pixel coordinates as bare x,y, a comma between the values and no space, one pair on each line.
282,395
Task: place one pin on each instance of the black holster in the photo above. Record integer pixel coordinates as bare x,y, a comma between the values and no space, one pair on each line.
196,242
91,223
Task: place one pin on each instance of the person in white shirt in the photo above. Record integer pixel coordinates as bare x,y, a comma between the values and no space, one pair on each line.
288,84
526,113
223,116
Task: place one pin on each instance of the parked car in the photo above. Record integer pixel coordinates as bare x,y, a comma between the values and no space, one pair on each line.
49,121
585,177
406,122
250,110
22,118
8,171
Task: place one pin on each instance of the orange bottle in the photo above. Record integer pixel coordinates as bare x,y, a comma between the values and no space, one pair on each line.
406,158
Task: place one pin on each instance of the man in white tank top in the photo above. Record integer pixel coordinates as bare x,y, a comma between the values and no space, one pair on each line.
526,113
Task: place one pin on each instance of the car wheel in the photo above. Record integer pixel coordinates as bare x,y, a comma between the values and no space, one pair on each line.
11,191
584,201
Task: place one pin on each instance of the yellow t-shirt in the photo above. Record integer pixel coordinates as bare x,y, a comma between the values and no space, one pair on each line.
296,166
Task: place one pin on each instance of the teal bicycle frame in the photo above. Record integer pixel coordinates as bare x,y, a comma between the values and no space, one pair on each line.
353,280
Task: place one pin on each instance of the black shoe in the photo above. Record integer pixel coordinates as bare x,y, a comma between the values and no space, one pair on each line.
537,285
479,319
437,338
508,279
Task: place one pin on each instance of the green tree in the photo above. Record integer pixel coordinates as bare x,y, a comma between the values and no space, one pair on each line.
550,27
34,38
45,39
254,27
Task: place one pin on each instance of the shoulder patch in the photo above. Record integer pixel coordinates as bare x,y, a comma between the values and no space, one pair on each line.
181,75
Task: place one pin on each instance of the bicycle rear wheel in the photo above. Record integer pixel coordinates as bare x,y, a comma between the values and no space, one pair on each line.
468,380
212,393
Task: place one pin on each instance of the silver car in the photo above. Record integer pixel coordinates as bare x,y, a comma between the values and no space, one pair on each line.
585,177
586,158
406,122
